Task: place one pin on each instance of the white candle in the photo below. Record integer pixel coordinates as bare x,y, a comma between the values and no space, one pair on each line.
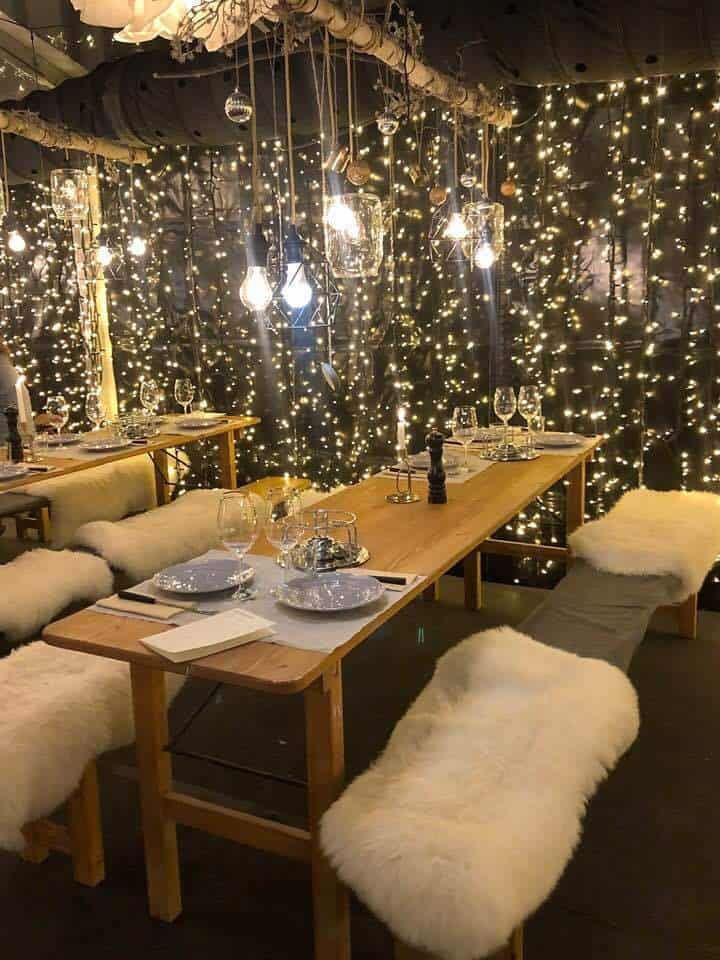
401,426
23,404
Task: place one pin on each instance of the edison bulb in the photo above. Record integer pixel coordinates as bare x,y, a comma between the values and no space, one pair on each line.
297,292
104,255
342,219
456,228
137,246
16,241
484,256
255,291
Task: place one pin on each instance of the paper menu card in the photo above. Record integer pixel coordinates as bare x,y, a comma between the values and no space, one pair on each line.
210,635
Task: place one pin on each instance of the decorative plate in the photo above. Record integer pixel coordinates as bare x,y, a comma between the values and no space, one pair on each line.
550,439
329,592
105,446
202,576
201,421
12,471
59,440
451,461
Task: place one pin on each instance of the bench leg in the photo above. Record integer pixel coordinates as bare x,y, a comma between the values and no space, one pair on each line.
85,828
687,613
36,849
472,569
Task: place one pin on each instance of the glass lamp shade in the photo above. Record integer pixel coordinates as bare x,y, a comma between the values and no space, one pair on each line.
353,234
485,240
69,194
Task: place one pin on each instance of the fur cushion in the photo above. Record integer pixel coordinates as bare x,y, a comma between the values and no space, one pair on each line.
37,586
142,545
61,709
107,492
466,822
655,532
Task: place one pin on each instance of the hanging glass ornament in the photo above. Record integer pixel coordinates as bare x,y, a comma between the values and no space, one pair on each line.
238,108
353,234
358,172
485,240
69,193
388,122
418,175
438,195
508,188
468,178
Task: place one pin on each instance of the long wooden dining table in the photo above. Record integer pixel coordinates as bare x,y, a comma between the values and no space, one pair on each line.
417,538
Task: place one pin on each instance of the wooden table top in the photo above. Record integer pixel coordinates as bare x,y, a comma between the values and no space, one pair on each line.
417,538
163,441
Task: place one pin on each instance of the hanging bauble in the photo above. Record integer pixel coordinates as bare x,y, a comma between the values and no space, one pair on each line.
388,123
438,195
69,193
417,175
468,178
49,244
358,172
238,107
508,188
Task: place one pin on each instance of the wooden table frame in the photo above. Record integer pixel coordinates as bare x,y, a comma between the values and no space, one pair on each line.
455,531
157,448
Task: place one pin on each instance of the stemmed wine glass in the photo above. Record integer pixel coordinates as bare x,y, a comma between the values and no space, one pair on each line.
504,404
283,530
464,428
238,529
184,393
149,397
94,407
58,411
529,404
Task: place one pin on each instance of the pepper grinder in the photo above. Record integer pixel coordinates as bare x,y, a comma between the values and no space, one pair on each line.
436,474
15,447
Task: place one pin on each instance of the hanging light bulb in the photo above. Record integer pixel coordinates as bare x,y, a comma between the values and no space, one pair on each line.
137,247
456,228
255,291
15,241
103,251
484,255
296,292
238,107
388,122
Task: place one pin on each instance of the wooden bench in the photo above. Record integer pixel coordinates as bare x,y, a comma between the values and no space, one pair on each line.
28,512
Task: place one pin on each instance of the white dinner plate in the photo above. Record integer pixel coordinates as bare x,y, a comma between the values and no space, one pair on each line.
550,439
105,446
197,421
451,461
329,592
202,576
61,440
12,471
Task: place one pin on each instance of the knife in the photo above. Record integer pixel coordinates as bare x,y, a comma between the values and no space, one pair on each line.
144,598
399,581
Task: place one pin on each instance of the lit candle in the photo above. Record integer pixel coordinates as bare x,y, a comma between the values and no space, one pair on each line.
401,426
23,404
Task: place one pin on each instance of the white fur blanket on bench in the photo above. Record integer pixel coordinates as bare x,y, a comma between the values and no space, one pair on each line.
142,545
465,823
655,532
60,710
40,584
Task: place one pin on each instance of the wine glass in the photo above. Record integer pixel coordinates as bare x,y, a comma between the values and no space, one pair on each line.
464,428
184,393
58,412
528,404
504,404
238,529
94,408
281,510
149,396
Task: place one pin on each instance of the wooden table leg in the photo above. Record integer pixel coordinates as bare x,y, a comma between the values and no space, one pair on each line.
155,773
85,828
163,489
472,568
575,498
431,594
228,466
326,779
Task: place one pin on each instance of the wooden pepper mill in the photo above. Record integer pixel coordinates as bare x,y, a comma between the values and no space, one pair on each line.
15,448
436,474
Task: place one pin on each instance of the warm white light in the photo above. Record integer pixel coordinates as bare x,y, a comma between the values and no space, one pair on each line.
104,255
296,292
255,291
342,219
16,241
456,228
484,256
137,246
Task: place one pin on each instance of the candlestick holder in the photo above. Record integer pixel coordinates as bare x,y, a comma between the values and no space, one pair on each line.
403,482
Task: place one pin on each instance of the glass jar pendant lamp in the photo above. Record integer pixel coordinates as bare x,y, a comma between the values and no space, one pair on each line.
69,193
353,234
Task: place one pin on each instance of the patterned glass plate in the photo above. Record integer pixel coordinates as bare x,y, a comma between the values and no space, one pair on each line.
59,440
105,446
12,471
202,576
329,592
198,421
549,439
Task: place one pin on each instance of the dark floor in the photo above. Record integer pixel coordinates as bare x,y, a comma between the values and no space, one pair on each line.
644,885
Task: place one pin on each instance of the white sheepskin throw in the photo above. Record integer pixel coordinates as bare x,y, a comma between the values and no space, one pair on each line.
60,710
142,545
465,823
40,584
107,492
655,532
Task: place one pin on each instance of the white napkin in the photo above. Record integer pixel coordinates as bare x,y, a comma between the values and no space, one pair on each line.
210,635
410,578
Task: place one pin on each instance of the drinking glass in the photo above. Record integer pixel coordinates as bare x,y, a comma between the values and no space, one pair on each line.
184,393
58,411
528,404
464,428
238,529
281,510
149,396
94,407
504,405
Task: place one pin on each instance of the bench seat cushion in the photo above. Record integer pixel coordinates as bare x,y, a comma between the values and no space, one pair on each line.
464,825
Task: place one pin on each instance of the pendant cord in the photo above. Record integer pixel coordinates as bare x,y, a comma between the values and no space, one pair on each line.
256,211
455,145
288,112
6,188
348,67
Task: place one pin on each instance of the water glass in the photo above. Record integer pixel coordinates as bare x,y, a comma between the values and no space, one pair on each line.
504,405
149,396
464,428
58,411
184,393
529,405
281,511
238,529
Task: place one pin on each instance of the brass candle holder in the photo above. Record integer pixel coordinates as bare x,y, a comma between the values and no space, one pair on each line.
403,481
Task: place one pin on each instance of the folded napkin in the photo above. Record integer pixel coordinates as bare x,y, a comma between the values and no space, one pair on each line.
210,635
149,611
410,578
